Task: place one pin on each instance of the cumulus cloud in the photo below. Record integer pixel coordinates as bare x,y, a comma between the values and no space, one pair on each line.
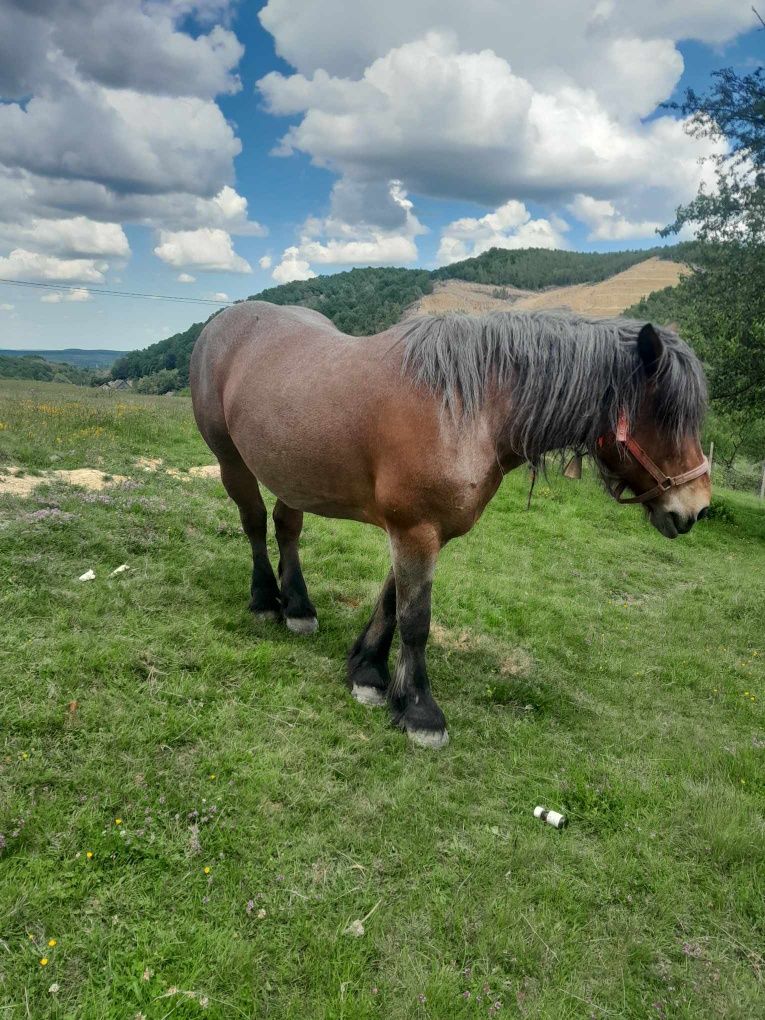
543,42
5,307
292,267
28,265
347,237
220,296
265,262
77,235
186,278
109,116
606,223
509,226
125,44
488,102
77,294
463,125
207,249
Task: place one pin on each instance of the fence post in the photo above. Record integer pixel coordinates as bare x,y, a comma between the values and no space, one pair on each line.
762,482
711,456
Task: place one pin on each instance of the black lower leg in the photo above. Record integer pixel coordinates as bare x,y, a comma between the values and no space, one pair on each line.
414,708
299,611
368,675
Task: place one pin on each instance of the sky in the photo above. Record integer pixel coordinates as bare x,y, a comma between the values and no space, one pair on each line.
208,149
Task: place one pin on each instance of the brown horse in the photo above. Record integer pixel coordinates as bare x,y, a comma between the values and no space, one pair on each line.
413,429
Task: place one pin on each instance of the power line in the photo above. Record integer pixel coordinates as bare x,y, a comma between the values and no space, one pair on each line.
116,293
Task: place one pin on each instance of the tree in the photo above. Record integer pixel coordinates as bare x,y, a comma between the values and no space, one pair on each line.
723,302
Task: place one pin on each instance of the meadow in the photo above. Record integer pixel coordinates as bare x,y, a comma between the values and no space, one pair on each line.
194,813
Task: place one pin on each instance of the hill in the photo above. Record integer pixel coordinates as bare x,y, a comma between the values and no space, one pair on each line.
609,297
538,268
32,366
365,301
103,358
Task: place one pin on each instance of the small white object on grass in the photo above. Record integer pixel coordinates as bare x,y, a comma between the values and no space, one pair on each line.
355,928
89,575
551,817
119,570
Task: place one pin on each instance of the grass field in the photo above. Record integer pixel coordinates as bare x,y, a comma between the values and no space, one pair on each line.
195,810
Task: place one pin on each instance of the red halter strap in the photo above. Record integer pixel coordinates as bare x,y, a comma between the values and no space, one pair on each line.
663,481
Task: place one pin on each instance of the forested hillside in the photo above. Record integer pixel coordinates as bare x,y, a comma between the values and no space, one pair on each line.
77,356
163,366
32,366
537,268
365,301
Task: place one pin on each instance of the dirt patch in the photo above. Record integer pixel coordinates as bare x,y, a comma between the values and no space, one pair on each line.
607,298
461,296
16,484
513,661
149,463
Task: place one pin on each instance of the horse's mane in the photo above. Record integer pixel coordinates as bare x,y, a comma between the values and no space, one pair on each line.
570,376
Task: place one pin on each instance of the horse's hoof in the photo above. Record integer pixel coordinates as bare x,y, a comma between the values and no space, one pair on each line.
433,740
302,624
267,615
372,697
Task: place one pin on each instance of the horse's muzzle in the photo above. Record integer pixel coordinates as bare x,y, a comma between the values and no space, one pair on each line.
670,523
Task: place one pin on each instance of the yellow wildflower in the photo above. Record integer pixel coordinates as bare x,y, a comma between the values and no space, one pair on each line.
44,961
118,821
207,870
51,942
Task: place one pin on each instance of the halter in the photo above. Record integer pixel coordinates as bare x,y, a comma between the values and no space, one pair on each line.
664,482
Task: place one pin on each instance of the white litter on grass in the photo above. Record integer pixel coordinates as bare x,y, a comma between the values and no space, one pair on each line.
355,928
89,575
120,569
553,818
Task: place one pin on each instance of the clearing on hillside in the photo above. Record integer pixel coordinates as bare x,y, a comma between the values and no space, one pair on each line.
607,298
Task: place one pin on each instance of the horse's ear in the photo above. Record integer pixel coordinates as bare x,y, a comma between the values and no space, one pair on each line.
649,347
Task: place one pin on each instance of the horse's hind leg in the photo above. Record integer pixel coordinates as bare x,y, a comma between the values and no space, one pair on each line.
368,675
299,611
242,487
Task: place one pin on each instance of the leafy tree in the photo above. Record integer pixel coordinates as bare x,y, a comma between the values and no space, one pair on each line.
721,306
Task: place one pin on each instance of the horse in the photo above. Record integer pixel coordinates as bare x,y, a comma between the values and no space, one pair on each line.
413,429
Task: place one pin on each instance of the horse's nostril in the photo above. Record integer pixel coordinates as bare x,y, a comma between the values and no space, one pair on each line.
704,512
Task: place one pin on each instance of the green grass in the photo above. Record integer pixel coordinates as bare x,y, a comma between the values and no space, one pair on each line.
583,662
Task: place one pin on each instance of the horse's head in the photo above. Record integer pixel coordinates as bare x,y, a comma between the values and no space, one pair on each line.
664,468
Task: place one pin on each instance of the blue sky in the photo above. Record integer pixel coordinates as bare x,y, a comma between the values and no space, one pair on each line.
420,138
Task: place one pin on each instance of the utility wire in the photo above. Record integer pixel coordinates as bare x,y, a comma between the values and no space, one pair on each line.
116,293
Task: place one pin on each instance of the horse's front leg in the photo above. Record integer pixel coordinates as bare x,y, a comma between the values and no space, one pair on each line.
414,559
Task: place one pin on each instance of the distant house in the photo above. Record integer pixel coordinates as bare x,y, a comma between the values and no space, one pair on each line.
117,384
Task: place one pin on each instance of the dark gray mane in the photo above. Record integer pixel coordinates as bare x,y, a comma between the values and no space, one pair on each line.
569,376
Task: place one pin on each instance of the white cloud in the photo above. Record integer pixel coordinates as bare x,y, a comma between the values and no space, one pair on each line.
509,226
292,267
117,43
486,102
5,307
606,223
77,235
186,278
144,144
115,121
220,296
339,241
463,125
560,38
207,249
77,294
28,265
265,262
